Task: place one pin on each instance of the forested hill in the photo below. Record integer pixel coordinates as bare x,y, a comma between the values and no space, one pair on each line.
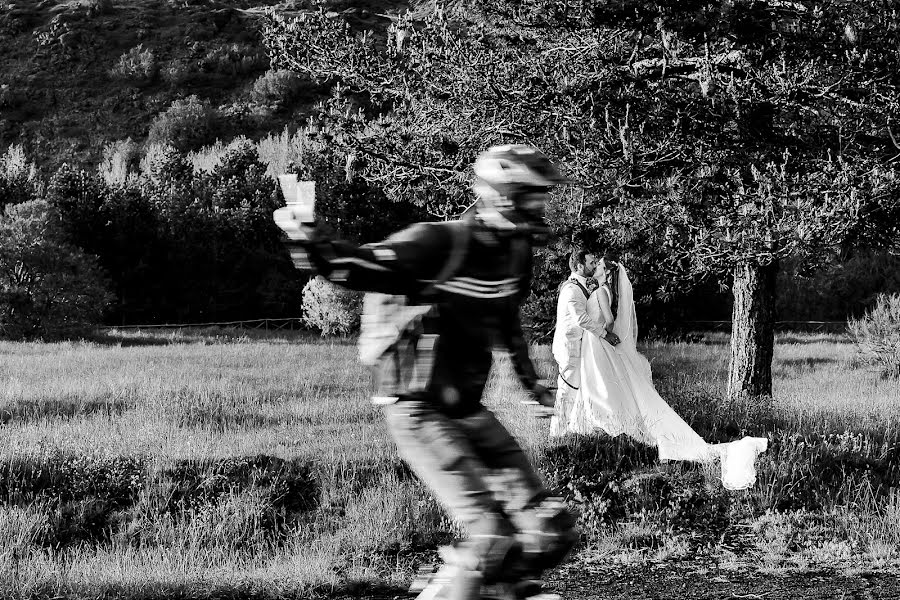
77,74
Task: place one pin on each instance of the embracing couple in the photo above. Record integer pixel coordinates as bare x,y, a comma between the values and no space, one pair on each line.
606,385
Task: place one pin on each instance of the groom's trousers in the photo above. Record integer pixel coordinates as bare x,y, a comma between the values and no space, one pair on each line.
567,385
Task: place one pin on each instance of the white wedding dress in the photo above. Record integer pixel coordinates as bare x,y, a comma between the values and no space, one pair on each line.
617,396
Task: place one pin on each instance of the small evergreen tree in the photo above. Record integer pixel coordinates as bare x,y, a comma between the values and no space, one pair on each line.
331,308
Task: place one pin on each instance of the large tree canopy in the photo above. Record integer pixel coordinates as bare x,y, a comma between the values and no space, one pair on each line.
708,137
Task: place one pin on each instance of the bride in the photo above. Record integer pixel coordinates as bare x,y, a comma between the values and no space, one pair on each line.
617,393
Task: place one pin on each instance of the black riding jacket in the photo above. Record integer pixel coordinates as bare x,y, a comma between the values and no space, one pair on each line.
477,306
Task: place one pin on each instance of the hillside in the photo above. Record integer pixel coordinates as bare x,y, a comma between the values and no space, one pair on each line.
77,74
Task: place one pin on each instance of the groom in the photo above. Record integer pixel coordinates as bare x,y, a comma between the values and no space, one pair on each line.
572,321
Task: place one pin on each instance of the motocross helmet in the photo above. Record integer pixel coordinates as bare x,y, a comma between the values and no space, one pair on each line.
512,184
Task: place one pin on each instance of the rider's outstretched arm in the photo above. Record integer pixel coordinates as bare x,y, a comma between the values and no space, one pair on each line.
401,264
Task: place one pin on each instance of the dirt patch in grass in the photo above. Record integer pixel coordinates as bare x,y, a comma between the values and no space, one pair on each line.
679,581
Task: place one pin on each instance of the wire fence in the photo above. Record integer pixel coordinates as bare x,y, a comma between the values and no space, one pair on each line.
288,323
297,324
681,327
795,326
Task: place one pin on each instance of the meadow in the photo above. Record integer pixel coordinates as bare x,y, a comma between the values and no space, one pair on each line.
221,463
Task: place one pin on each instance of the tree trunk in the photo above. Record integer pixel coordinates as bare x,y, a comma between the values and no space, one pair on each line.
752,331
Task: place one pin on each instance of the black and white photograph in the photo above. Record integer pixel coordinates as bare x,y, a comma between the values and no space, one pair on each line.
450,300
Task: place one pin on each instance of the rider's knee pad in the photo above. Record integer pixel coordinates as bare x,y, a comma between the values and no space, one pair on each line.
547,533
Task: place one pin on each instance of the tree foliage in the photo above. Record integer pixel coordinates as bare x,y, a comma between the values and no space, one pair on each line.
183,246
49,288
709,139
729,132
186,244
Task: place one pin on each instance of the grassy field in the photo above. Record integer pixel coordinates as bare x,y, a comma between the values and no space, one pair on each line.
207,463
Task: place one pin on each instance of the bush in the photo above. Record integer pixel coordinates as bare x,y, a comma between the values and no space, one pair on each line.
19,180
177,72
282,152
331,308
208,158
156,155
877,334
83,493
98,7
276,89
119,162
48,287
233,59
187,124
136,65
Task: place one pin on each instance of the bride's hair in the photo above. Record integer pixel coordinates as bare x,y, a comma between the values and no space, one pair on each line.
612,284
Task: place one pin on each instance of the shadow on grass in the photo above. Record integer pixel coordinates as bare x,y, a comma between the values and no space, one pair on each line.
613,479
600,452
352,478
803,363
359,589
162,336
60,408
167,591
127,341
816,472
811,338
90,498
219,419
289,484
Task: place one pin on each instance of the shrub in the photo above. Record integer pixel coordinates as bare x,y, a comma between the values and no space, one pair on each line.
83,494
49,288
233,59
97,7
330,308
282,151
19,180
177,72
186,124
155,155
119,160
877,334
276,88
208,158
137,64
